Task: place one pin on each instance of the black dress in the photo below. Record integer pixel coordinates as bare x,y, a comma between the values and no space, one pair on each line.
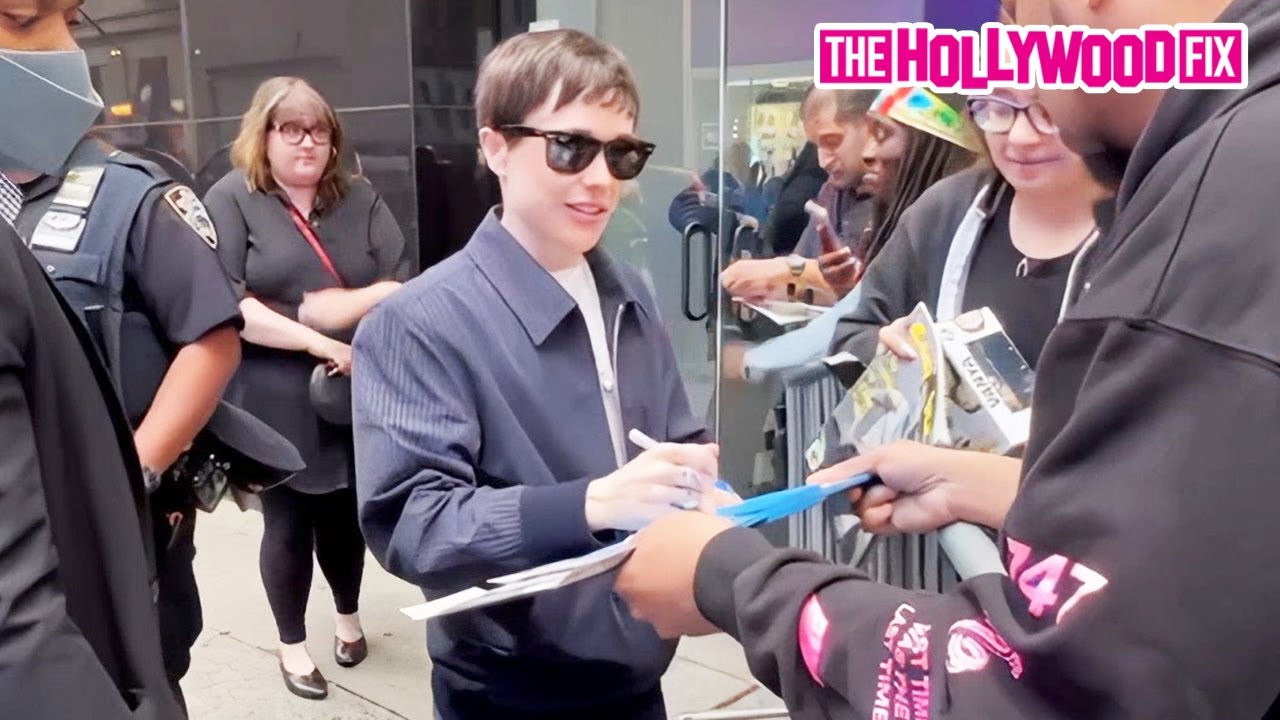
269,259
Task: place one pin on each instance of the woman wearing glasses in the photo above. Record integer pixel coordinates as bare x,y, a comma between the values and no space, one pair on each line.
312,249
1004,236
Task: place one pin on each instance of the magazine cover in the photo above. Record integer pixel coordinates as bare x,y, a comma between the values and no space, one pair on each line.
892,400
989,385
969,389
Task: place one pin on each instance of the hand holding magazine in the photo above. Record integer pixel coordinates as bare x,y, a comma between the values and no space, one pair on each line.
968,388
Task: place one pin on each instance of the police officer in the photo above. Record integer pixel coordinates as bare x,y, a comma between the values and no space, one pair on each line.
78,635
134,255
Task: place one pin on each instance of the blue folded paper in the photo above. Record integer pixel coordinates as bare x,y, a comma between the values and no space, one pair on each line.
767,508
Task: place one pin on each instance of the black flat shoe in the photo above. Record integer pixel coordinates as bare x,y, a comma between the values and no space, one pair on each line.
312,686
350,654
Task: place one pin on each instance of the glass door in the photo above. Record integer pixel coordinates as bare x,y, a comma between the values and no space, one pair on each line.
766,65
771,401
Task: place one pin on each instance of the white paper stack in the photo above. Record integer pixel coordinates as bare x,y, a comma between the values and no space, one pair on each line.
785,313
524,584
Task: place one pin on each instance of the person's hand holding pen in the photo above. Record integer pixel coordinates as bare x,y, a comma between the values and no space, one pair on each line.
665,478
716,493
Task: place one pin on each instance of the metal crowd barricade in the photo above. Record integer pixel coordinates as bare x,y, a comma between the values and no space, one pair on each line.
810,394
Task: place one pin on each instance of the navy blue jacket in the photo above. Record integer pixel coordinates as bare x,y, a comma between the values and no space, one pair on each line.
478,425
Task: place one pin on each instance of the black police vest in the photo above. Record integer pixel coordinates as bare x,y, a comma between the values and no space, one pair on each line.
90,275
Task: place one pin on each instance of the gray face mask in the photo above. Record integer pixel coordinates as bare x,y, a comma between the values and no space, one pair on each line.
58,107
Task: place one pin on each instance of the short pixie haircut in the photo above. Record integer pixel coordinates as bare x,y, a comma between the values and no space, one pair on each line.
523,73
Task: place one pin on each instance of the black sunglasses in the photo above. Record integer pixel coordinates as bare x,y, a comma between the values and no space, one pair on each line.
997,115
570,153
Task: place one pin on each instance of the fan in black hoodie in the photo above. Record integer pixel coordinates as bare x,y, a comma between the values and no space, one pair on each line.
1141,547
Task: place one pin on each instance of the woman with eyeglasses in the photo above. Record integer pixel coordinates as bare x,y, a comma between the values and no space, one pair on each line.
1004,236
312,249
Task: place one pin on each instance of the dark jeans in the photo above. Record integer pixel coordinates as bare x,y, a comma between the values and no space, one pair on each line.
453,704
296,525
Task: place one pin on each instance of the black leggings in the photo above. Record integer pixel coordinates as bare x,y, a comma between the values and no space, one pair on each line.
295,525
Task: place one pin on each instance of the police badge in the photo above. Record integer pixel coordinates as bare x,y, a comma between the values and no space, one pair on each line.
184,202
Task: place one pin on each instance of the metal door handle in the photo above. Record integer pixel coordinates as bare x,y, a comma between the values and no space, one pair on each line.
686,270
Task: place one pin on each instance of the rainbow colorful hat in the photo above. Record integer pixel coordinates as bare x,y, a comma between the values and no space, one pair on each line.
925,111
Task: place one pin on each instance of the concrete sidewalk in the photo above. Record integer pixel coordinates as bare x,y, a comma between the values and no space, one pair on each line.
234,673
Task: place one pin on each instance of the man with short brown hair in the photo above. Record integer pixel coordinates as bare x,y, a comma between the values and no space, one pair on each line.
835,122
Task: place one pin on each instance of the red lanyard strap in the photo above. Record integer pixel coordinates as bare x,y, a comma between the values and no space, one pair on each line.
304,227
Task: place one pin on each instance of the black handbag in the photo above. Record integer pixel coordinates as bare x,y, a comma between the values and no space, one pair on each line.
331,395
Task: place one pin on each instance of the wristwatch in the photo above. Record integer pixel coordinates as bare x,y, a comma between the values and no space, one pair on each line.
796,264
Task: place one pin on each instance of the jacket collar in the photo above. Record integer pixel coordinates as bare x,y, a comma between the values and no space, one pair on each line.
533,295
87,152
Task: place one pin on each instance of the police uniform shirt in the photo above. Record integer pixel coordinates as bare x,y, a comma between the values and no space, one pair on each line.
173,278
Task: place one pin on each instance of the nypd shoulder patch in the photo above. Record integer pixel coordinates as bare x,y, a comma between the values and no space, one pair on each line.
184,202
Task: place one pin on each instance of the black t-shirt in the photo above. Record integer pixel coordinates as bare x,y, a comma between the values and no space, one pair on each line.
1027,306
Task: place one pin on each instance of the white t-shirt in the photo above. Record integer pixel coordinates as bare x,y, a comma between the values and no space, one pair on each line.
580,283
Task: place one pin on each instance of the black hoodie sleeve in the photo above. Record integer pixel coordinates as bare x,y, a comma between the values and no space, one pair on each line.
1140,552
1143,574
908,271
